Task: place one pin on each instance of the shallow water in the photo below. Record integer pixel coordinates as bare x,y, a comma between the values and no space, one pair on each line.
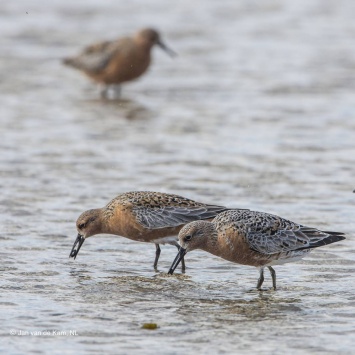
257,112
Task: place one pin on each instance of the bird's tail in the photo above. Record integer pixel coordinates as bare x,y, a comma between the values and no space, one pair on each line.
333,237
321,238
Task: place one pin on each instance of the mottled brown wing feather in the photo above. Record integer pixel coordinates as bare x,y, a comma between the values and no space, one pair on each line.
97,47
173,216
292,238
271,234
96,57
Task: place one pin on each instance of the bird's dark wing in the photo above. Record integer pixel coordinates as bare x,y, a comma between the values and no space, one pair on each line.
280,235
270,234
96,57
173,216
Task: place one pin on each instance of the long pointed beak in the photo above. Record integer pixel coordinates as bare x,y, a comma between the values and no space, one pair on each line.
166,49
181,253
80,241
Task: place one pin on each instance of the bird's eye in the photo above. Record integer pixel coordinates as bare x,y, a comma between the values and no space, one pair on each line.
81,225
188,237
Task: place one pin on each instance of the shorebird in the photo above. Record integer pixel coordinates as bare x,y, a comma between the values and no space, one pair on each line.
115,62
252,238
152,217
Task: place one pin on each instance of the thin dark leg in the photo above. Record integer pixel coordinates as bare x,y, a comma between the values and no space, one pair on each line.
117,91
261,279
157,254
104,91
273,275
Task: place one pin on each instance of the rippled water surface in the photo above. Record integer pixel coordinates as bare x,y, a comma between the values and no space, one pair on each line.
257,111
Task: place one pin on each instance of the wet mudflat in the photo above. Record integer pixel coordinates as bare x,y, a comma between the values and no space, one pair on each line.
256,112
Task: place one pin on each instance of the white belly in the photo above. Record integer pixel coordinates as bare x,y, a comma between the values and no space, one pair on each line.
289,257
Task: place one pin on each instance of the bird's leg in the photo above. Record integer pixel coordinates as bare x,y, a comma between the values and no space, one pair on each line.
104,91
273,275
183,267
157,254
261,279
117,91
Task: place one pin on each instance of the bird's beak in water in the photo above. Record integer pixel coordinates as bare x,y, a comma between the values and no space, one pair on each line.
181,253
166,49
80,241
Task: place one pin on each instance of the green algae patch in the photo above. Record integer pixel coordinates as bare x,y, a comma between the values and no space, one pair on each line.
150,326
